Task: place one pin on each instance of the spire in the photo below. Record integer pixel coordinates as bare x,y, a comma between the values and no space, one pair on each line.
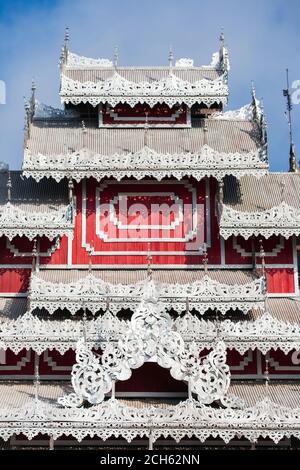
34,255
205,258
84,132
146,130
36,381
171,57
222,45
267,376
262,255
66,43
149,260
8,185
116,56
292,161
286,92
33,98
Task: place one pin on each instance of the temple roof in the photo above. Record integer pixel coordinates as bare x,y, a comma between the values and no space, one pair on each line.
34,208
268,206
216,147
99,81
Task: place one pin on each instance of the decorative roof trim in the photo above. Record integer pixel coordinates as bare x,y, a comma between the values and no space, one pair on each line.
93,293
245,113
266,419
264,333
279,220
170,90
16,221
81,62
144,163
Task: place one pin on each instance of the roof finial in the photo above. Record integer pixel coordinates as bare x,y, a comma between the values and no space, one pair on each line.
8,185
116,56
34,255
221,49
84,132
84,324
171,57
67,39
90,251
205,258
36,381
267,376
33,99
262,255
71,188
286,92
149,260
282,189
146,127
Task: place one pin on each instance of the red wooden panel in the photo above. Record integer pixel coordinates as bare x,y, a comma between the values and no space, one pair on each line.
165,248
239,251
280,280
137,114
14,280
17,364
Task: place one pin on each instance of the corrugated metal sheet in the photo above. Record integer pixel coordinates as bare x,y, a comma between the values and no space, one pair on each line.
31,196
131,276
252,194
12,308
67,137
14,395
140,74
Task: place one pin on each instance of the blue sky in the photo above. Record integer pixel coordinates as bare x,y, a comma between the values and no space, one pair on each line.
263,37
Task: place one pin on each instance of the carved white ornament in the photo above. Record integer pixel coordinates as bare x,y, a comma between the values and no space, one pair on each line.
92,293
264,333
245,113
149,337
281,220
184,62
170,90
188,419
16,221
77,61
145,162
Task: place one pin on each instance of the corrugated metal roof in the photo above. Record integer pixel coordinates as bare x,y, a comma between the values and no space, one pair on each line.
14,395
64,137
131,276
12,308
30,195
140,74
251,194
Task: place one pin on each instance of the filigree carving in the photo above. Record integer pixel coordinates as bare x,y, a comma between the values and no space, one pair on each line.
279,220
188,419
92,293
145,162
75,60
16,221
170,90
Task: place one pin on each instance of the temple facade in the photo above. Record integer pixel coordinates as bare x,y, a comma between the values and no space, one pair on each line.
149,289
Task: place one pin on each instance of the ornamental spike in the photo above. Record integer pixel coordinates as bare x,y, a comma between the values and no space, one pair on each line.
205,258
171,57
9,185
262,255
33,98
34,255
116,56
36,381
149,260
267,376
